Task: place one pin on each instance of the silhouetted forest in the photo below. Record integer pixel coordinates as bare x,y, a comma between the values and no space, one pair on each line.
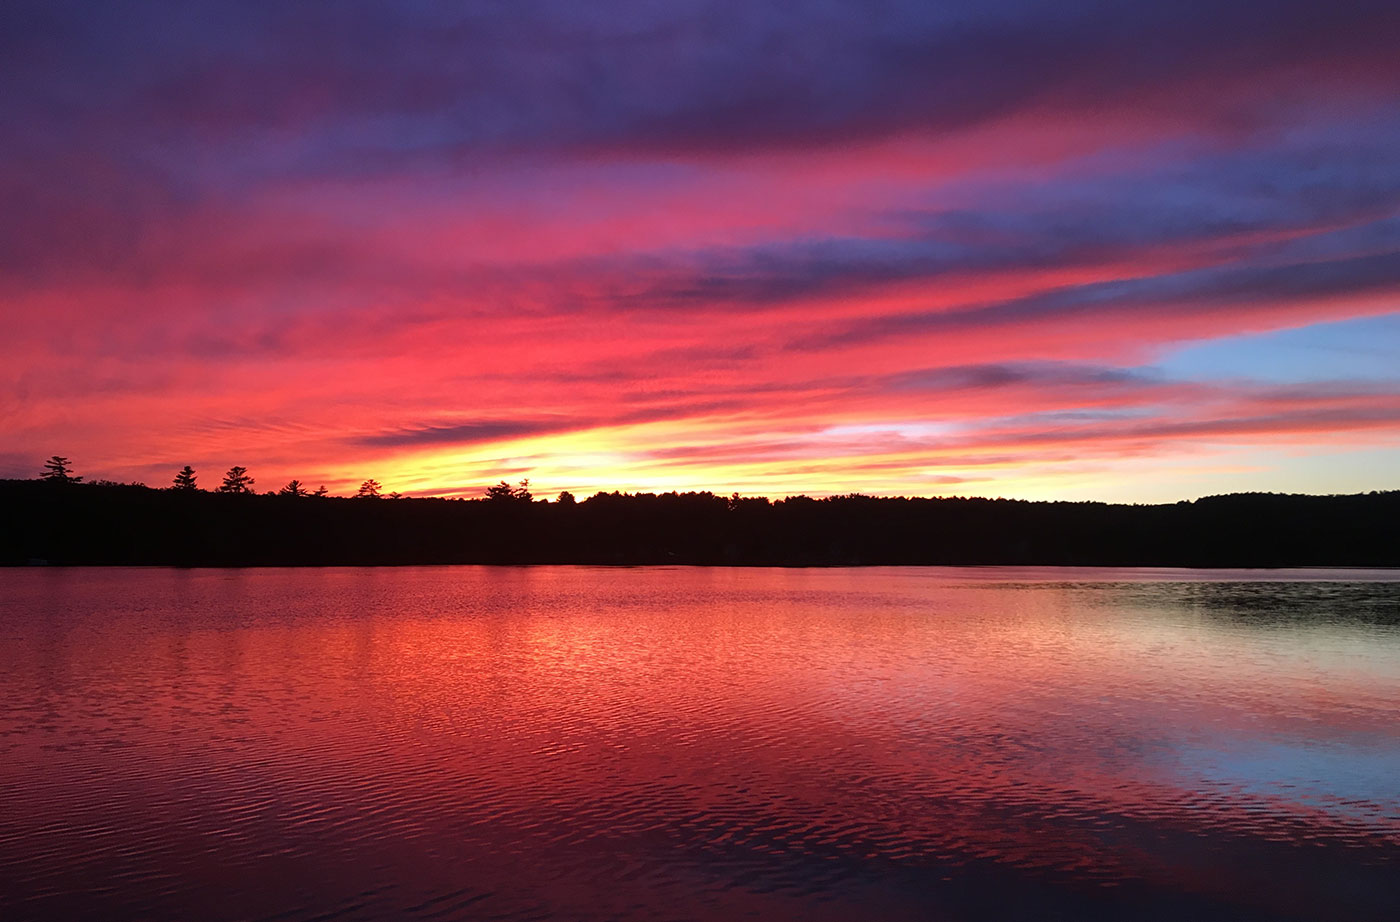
66,522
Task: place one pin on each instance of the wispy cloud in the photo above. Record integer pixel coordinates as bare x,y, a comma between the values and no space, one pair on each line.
896,248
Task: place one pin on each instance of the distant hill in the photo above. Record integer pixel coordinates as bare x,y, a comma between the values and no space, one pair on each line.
75,523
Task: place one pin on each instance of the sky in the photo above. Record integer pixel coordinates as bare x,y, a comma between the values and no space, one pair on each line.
1023,248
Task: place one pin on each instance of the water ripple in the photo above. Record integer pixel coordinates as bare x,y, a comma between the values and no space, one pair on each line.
539,743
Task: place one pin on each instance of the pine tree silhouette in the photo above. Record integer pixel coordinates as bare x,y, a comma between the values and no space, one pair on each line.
237,481
185,480
56,470
503,492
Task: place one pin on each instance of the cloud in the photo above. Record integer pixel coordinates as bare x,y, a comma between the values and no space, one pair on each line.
1008,374
666,235
463,433
400,79
1194,292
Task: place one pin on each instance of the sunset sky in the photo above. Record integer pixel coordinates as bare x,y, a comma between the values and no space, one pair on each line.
1025,248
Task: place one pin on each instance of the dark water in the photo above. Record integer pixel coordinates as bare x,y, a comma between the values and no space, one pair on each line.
534,743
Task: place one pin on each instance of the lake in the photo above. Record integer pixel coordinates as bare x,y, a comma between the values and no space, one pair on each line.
699,744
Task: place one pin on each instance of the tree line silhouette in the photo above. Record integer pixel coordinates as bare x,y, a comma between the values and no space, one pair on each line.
60,519
58,469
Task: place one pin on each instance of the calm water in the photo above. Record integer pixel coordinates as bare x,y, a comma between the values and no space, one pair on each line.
535,743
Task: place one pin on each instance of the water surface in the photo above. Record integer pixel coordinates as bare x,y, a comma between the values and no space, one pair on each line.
707,744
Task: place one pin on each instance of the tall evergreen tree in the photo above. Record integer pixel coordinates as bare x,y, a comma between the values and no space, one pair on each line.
237,481
184,480
368,490
293,488
56,470
504,492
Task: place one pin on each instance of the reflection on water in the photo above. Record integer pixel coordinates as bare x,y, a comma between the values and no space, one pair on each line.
521,743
